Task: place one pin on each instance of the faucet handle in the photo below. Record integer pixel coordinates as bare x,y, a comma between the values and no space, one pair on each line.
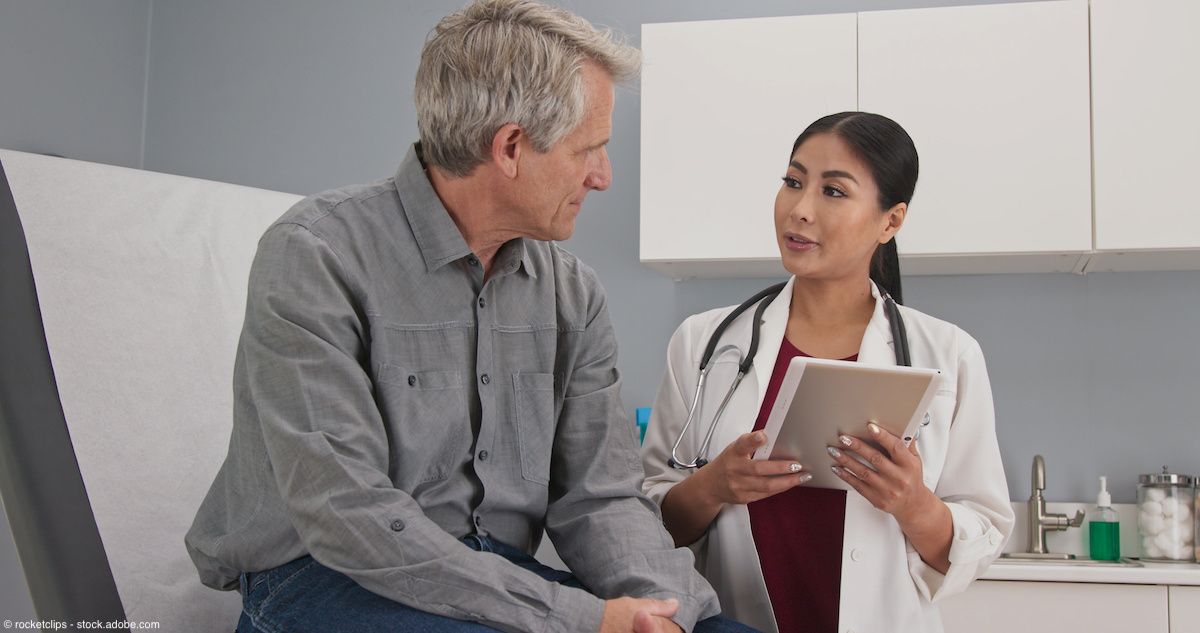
1077,521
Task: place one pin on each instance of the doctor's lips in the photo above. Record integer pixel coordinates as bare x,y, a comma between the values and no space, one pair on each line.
797,242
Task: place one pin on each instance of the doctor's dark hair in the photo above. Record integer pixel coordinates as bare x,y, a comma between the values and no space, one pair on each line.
891,156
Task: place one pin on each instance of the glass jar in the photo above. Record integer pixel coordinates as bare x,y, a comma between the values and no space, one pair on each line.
1166,517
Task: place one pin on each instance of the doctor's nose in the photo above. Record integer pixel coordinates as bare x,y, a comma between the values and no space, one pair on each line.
802,209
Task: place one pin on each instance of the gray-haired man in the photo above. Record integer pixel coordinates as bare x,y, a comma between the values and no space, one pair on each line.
424,382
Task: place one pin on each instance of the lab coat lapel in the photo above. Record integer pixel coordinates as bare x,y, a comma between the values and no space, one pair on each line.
770,338
877,345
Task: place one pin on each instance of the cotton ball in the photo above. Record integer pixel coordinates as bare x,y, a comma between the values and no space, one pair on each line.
1151,524
1152,507
1155,494
1151,551
1181,552
1183,512
1165,542
1169,506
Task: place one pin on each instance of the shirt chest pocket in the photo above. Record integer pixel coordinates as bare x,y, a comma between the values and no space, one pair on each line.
534,411
428,421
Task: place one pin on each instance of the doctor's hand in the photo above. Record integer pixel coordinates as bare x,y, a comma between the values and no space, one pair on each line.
894,482
736,477
639,615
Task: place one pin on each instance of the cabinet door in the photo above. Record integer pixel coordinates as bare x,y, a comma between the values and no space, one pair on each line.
722,102
1003,606
1185,609
996,100
1145,96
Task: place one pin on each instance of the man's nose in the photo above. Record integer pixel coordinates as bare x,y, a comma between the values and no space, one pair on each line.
600,176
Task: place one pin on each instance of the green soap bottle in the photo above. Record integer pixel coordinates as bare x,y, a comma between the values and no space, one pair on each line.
1103,527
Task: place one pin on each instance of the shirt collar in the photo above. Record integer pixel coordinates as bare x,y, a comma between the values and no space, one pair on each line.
437,235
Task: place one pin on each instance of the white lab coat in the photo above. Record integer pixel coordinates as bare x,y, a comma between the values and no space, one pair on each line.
885,586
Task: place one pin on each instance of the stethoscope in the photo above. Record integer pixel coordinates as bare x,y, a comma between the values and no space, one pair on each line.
763,299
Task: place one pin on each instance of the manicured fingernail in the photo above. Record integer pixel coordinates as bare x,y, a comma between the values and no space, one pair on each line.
874,428
833,452
795,468
837,470
805,478
845,441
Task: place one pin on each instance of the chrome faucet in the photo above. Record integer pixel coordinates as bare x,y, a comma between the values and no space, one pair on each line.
1040,522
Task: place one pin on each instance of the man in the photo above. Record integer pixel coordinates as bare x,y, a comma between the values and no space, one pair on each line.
424,382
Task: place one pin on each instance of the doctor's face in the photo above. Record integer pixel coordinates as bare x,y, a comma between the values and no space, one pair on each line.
827,217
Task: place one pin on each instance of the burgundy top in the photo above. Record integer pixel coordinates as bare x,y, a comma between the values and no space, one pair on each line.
798,535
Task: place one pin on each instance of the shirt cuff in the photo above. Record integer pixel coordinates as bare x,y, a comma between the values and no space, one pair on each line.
973,545
575,610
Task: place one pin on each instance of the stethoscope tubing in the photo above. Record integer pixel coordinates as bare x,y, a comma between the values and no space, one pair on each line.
763,298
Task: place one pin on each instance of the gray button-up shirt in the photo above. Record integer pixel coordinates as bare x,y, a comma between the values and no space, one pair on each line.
390,400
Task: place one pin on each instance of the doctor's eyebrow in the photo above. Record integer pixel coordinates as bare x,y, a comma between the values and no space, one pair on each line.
835,173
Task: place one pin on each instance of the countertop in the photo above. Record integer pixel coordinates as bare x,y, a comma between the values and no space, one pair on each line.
1074,541
1148,574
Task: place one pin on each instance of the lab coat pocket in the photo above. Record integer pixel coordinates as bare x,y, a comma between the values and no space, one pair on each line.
423,410
935,436
534,412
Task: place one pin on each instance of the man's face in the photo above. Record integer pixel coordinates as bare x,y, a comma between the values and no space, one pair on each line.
553,185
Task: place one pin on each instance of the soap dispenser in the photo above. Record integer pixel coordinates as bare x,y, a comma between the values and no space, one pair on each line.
1103,527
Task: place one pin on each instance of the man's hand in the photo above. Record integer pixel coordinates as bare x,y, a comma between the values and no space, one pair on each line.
638,615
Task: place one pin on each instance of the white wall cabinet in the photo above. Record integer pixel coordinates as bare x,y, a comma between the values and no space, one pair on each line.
1185,609
722,102
996,100
1054,136
1002,606
1145,96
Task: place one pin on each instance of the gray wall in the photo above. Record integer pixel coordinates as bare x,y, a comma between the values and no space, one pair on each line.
1097,373
72,82
1094,372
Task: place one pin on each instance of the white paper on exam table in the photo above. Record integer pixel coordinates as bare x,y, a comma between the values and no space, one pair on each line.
835,397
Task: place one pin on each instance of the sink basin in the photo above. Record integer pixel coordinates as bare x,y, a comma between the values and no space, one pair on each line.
1084,562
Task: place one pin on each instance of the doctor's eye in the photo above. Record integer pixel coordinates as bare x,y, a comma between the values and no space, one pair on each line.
791,183
834,192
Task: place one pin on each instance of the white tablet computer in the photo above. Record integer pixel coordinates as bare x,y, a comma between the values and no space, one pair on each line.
822,399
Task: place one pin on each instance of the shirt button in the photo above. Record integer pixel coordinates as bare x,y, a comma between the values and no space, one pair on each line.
412,380
482,302
473,260
397,525
483,456
485,379
856,555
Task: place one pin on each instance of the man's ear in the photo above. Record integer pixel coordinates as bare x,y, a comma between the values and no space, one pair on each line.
506,149
895,219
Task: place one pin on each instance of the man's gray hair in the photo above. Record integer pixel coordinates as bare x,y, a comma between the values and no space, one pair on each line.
507,61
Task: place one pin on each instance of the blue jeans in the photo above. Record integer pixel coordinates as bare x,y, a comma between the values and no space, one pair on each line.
303,596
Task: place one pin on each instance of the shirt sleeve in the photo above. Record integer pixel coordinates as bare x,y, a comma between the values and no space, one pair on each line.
972,485
609,533
301,364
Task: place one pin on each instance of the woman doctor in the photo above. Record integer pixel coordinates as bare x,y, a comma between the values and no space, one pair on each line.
930,515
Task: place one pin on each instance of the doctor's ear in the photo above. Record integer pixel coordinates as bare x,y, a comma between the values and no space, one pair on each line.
506,148
895,219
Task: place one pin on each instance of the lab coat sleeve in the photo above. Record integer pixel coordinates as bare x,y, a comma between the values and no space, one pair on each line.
972,484
669,414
